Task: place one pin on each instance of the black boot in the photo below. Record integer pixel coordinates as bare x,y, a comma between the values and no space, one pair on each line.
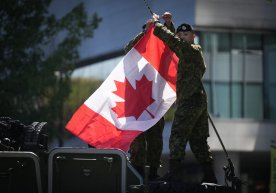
208,173
175,173
153,173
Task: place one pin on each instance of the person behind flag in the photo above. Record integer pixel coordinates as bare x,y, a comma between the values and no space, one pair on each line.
146,149
190,122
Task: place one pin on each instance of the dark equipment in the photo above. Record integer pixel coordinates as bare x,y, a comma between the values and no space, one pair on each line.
15,136
20,172
23,156
90,170
179,187
230,175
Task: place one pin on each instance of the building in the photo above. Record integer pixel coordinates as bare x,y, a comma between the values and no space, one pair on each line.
239,45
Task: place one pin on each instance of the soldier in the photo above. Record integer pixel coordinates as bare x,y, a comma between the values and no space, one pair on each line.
146,149
190,122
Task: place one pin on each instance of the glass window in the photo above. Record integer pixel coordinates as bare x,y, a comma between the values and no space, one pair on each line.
238,41
222,100
253,42
236,100
216,55
270,78
253,104
234,76
247,76
205,41
207,88
216,47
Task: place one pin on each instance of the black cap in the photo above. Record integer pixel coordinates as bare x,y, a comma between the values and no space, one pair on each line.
184,27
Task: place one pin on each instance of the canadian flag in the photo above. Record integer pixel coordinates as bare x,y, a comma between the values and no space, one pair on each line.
136,94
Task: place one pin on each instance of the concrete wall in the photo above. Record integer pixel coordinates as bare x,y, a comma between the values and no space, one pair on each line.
252,14
243,135
237,135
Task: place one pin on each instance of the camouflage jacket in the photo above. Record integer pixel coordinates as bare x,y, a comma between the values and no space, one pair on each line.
133,42
191,66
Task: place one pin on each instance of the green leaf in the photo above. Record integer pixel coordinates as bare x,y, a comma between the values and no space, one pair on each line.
35,65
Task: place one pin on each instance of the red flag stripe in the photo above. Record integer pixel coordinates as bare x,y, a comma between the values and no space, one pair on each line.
151,48
95,129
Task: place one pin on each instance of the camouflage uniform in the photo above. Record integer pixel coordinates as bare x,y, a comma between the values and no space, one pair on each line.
191,117
133,42
146,149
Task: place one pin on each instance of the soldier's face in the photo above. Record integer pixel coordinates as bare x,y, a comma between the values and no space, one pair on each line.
187,36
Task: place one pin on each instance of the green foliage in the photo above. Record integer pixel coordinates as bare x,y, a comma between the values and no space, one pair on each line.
38,53
170,114
82,88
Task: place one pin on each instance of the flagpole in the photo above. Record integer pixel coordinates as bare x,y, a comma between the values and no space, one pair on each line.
273,167
147,5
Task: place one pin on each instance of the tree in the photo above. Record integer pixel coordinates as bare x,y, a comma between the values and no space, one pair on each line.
81,89
34,72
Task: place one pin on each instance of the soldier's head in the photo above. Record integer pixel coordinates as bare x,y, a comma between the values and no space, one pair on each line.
186,33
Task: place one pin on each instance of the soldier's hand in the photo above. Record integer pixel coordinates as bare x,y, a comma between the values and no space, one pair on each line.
148,23
155,17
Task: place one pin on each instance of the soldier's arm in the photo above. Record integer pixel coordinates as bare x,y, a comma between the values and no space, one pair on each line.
170,39
132,43
170,27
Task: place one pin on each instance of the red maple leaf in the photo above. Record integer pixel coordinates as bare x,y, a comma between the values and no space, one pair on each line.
136,100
